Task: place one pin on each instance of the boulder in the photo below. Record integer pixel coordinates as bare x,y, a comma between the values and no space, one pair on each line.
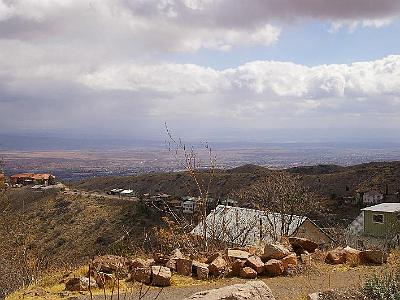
274,267
353,257
291,259
237,266
138,263
160,258
201,271
240,254
142,275
299,244
255,263
217,266
248,273
161,276
335,257
274,251
373,257
251,290
184,266
80,284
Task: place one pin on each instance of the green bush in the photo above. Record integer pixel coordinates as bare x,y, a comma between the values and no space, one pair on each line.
383,287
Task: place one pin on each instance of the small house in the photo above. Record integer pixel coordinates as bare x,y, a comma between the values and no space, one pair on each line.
382,220
189,205
32,178
372,197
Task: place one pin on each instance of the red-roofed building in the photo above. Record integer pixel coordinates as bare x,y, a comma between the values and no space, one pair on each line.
31,178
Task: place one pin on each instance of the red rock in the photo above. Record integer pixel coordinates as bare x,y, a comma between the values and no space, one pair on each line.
248,273
291,259
273,267
255,263
302,243
217,267
184,266
352,256
202,271
212,257
237,266
160,258
335,257
373,256
142,275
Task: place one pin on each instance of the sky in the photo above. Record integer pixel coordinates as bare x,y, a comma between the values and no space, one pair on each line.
221,70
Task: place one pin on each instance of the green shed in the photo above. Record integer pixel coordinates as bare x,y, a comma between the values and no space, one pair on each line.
382,220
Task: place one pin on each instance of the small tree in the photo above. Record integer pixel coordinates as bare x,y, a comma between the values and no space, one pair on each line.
283,197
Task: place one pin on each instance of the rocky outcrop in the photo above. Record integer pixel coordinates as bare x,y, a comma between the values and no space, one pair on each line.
251,290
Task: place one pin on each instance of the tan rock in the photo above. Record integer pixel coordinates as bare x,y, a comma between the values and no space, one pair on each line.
274,251
161,276
251,290
240,254
255,263
302,243
184,266
291,259
110,264
217,266
274,267
305,258
248,273
353,257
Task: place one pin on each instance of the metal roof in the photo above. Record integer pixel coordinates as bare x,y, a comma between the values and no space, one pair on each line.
244,226
384,207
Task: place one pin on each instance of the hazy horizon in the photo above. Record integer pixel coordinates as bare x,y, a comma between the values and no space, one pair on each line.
252,71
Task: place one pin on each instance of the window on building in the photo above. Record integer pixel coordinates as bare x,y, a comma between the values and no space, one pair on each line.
377,218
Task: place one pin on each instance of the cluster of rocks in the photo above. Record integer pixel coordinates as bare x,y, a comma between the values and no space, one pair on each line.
355,257
276,260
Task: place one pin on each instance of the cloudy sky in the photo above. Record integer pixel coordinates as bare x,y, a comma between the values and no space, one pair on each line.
265,70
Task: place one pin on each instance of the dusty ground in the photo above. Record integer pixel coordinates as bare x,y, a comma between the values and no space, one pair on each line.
319,277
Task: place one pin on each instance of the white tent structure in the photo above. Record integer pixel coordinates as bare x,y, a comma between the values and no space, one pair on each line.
244,226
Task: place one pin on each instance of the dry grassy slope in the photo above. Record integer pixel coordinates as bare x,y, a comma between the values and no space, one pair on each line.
65,229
